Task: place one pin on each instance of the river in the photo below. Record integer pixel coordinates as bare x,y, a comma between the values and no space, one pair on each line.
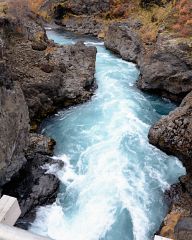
113,180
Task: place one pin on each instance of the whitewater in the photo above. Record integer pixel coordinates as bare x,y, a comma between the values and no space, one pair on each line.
113,180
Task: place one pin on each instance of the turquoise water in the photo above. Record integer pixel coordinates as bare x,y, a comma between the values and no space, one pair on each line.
113,179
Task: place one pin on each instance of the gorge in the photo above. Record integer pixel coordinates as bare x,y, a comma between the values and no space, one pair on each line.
113,179
112,95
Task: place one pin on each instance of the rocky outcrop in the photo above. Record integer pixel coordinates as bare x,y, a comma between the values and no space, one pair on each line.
36,78
41,186
168,69
179,197
165,67
82,24
86,6
52,76
173,133
122,39
14,121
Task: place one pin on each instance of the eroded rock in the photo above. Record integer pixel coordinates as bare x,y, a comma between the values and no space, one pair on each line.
168,69
173,133
121,39
14,122
56,77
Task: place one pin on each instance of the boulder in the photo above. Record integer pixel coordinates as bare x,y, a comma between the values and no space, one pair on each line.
82,24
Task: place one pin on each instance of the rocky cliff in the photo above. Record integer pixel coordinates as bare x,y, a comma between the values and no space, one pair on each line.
165,68
14,120
37,77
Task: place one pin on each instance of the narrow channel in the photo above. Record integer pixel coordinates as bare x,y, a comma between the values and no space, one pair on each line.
113,179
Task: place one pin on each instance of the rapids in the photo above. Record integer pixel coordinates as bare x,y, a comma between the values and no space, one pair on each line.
113,180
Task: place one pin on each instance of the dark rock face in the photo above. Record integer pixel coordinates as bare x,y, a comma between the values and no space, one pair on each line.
32,186
183,229
173,132
56,77
168,69
165,68
82,25
36,78
121,39
87,7
180,202
14,121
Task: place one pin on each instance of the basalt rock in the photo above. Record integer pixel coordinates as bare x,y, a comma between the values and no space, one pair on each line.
56,77
14,121
165,67
36,78
32,186
87,7
82,24
122,39
173,133
168,69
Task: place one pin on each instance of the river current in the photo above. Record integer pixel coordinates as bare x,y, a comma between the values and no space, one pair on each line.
113,180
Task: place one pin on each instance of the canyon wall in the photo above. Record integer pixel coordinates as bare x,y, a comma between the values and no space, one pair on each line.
37,77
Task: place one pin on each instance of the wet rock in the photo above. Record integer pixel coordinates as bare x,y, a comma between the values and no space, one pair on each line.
172,133
121,39
41,186
41,144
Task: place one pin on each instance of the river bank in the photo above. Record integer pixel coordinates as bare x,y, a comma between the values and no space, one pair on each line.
37,78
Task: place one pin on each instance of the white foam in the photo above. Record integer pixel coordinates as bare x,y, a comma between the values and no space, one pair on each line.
109,166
